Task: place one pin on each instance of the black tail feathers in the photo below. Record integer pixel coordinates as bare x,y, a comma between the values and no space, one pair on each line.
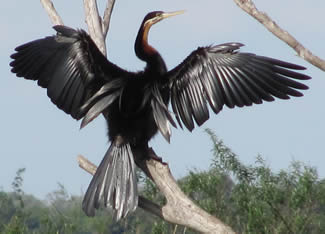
115,182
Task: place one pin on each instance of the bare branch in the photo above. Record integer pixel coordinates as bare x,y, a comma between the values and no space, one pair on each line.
52,13
107,16
249,7
94,24
86,165
179,209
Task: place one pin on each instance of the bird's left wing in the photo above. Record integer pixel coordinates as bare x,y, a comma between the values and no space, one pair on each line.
220,75
72,69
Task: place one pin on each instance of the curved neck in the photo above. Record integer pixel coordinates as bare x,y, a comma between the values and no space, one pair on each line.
146,52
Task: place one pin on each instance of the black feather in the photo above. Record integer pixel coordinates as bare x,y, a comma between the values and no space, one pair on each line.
114,181
220,75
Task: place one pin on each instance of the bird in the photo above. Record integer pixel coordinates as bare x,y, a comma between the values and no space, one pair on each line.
83,83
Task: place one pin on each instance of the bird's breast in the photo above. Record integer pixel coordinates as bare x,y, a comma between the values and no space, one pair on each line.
131,114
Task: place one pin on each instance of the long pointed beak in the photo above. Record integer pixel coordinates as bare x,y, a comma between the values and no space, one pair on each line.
170,14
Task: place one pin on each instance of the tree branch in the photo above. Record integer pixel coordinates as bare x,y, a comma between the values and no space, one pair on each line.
249,7
107,16
179,209
52,13
93,21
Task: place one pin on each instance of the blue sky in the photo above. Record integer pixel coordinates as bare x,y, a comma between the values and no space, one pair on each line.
36,135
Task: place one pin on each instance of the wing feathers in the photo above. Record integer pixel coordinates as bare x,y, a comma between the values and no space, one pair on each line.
262,94
200,109
185,106
69,65
221,76
98,107
245,90
212,90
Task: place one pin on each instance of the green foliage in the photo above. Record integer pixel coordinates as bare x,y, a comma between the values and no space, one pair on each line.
262,201
17,222
7,210
250,199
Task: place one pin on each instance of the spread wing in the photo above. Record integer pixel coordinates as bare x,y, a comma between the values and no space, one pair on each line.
69,65
219,75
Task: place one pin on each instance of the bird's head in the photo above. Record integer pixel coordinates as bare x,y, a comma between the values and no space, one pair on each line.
142,49
156,16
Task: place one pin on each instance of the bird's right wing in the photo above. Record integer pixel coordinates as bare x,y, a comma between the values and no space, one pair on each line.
70,66
220,75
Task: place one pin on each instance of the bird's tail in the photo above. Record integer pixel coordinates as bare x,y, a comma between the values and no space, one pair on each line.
114,181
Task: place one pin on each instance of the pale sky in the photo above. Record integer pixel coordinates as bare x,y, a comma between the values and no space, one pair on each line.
36,135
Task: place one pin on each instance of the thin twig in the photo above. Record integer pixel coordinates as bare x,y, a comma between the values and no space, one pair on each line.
107,16
85,164
249,7
93,21
52,13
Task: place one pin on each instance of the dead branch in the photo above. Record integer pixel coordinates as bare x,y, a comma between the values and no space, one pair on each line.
249,7
94,23
107,16
52,13
179,209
